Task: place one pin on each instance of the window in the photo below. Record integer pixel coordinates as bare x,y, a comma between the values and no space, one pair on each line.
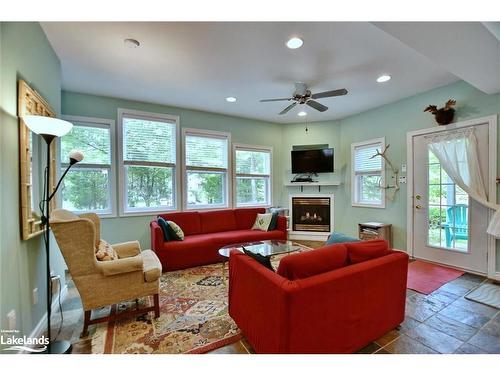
447,210
206,168
252,175
148,161
368,173
90,184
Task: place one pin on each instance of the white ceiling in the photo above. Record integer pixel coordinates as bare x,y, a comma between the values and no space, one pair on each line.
197,65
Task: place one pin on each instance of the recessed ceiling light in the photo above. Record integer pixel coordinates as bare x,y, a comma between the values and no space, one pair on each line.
383,78
230,99
294,43
132,43
302,114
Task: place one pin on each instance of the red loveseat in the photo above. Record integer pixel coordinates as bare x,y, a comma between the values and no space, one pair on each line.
330,300
206,232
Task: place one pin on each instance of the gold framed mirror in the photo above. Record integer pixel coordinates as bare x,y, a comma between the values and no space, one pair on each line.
31,102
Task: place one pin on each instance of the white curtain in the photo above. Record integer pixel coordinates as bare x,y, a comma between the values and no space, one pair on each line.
458,155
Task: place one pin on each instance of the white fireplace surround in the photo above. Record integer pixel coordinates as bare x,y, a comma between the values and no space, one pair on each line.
313,236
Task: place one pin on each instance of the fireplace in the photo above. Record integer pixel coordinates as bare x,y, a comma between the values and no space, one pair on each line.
312,214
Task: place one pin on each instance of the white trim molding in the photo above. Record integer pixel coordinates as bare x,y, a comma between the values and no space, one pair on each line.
246,147
122,112
228,170
493,273
95,122
354,191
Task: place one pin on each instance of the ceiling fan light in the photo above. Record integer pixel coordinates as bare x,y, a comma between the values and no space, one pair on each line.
383,78
294,43
302,114
230,99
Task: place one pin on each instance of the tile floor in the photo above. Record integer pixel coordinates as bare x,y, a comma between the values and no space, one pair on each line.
441,322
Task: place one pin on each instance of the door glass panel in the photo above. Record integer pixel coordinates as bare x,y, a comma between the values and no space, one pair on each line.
448,213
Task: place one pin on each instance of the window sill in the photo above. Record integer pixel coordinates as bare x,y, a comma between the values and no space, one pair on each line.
147,213
366,205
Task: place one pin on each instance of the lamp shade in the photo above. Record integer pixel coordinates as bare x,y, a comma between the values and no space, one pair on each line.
47,125
75,156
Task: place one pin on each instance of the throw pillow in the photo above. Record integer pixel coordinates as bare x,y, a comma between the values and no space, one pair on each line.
105,252
366,250
175,232
265,261
262,222
314,262
274,219
164,228
337,237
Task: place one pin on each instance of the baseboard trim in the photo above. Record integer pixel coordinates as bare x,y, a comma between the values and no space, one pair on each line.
40,327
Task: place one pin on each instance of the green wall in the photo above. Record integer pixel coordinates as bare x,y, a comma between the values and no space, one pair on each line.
391,121
27,54
242,130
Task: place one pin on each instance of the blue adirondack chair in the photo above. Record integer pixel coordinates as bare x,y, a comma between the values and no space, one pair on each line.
457,225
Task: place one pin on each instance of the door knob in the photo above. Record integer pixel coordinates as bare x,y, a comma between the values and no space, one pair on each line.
418,197
418,207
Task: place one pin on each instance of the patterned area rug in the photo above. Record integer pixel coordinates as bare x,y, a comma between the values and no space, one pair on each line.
193,319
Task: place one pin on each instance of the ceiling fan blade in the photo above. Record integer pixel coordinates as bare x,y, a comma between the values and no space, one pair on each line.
320,107
300,88
274,100
288,108
327,94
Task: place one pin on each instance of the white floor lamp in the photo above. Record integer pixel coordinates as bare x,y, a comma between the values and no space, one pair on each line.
49,128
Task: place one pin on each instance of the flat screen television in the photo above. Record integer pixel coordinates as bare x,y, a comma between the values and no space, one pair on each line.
312,161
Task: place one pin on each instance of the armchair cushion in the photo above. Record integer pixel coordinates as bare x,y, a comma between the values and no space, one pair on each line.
127,249
151,266
118,266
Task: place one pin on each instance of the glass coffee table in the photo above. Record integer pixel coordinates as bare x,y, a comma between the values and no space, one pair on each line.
266,248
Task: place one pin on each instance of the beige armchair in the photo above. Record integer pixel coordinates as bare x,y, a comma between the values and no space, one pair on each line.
133,275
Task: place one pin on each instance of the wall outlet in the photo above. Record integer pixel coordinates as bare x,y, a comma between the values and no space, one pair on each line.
11,319
402,179
34,296
55,284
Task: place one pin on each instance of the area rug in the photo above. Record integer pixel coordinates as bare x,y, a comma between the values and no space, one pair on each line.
489,294
194,317
425,277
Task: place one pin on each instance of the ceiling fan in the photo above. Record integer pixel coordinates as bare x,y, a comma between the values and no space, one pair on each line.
303,95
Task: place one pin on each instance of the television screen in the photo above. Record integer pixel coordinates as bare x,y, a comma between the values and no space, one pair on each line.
312,161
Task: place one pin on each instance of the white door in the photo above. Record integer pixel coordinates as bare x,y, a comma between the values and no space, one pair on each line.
448,227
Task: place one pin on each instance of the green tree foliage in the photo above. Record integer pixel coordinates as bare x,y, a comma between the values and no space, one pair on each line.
149,186
86,189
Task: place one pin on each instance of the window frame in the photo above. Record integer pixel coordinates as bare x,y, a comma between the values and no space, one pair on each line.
246,147
229,183
94,122
355,202
123,212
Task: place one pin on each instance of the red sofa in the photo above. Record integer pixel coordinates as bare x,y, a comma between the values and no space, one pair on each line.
337,299
206,232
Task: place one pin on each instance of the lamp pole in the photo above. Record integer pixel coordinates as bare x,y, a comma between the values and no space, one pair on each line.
49,128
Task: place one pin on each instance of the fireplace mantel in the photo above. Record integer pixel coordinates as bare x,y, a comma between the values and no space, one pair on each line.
311,229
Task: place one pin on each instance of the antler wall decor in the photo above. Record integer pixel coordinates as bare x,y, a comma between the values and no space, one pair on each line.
395,173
